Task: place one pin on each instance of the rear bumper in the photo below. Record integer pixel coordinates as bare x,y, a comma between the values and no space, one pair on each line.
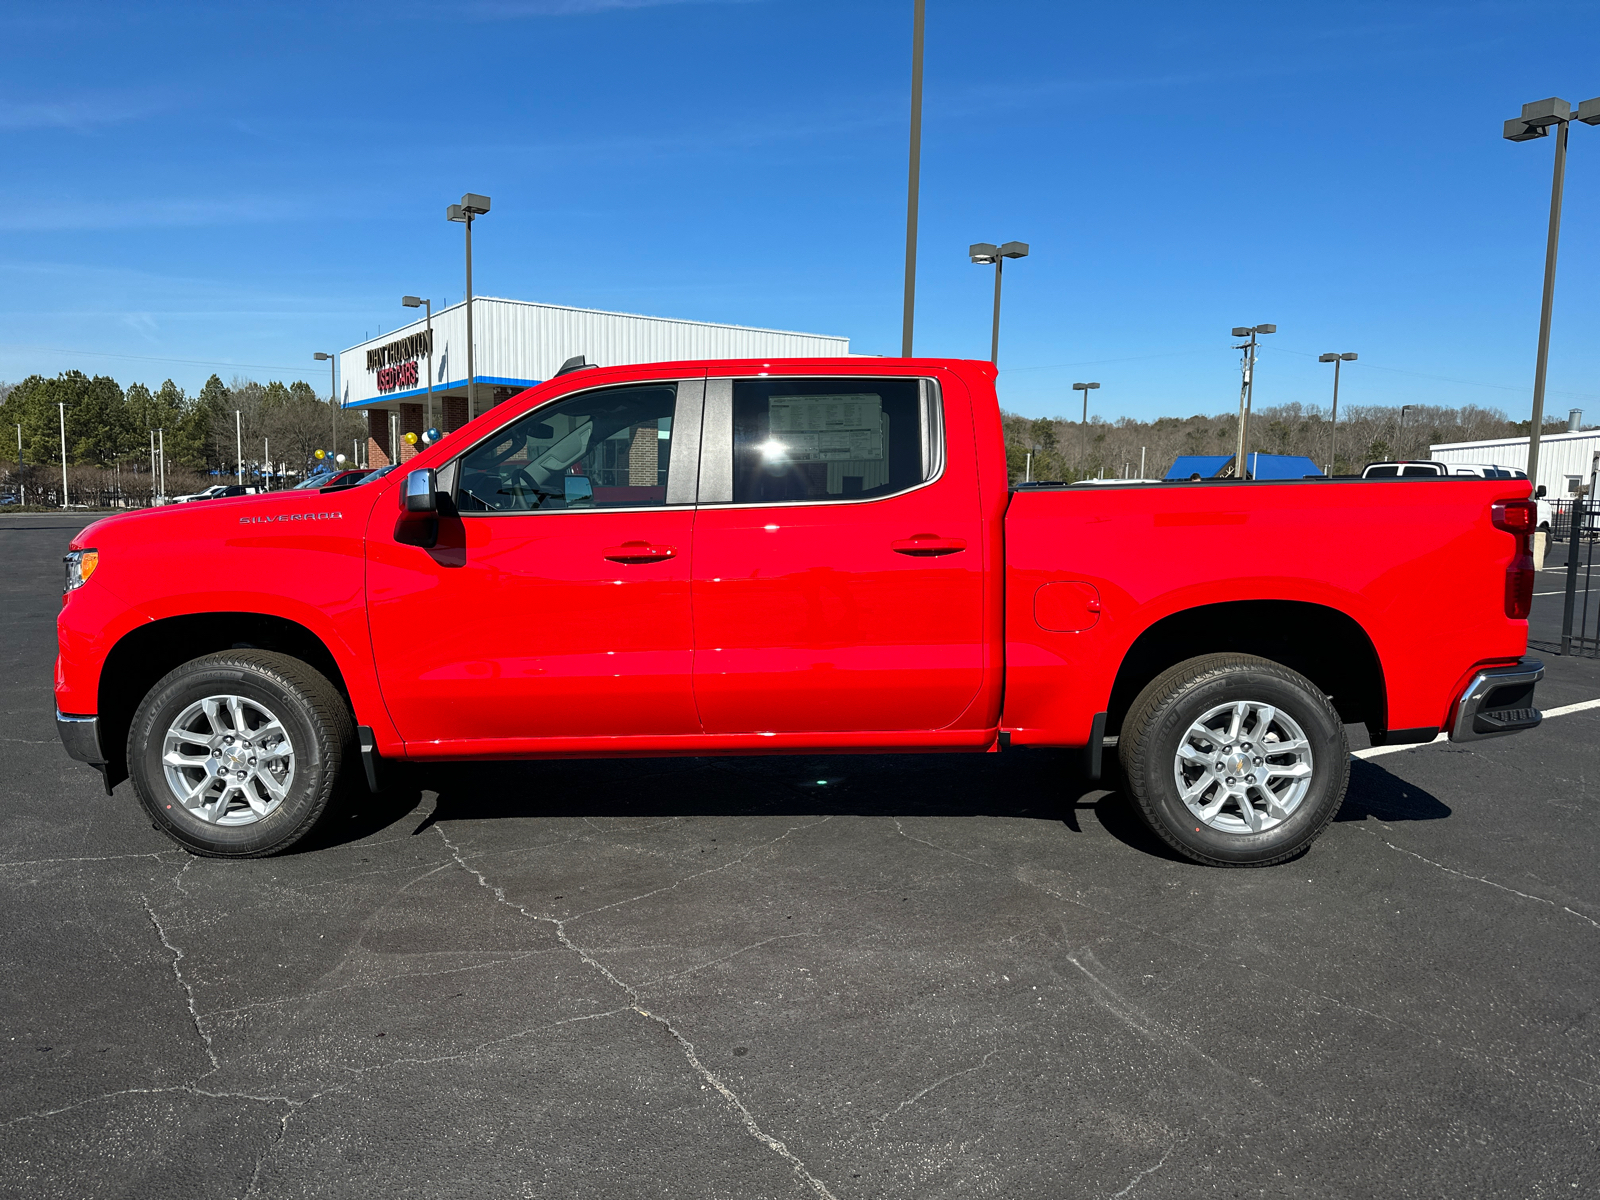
1498,701
81,737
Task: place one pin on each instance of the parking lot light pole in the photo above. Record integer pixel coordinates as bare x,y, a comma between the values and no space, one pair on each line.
1333,432
472,205
1247,389
1535,122
987,252
419,302
238,443
333,390
62,405
1085,389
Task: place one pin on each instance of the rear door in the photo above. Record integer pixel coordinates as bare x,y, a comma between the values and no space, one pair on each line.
556,604
838,565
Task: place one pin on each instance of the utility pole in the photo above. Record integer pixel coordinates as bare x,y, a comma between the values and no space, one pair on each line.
914,176
238,444
1246,390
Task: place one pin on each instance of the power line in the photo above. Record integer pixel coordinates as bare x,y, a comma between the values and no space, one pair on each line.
195,362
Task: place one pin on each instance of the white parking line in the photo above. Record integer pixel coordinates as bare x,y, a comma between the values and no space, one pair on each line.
1374,751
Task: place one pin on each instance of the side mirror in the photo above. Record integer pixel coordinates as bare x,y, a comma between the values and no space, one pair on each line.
421,492
1538,492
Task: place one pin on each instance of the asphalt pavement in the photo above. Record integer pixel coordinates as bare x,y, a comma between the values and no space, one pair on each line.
849,977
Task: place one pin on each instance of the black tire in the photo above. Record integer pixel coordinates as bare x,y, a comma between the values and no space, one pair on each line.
310,710
1156,726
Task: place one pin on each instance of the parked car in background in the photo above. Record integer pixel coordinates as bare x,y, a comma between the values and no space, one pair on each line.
218,491
330,479
9,499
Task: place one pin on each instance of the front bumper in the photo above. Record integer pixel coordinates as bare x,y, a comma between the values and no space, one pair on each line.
81,737
1498,701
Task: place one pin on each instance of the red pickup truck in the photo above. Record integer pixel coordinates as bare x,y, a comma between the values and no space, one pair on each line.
798,556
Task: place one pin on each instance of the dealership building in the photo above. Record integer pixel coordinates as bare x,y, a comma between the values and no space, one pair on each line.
519,344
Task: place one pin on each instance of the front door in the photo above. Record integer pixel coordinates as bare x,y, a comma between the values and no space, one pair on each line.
556,604
838,568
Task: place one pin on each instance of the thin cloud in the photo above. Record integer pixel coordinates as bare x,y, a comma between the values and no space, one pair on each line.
512,10
148,214
80,114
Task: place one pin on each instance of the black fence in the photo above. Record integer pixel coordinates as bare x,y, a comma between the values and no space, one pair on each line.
1561,520
1575,525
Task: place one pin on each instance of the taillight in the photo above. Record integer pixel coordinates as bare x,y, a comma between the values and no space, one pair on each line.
1515,516
1518,518
1519,587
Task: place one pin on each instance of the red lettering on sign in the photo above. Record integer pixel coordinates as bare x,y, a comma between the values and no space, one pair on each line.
392,378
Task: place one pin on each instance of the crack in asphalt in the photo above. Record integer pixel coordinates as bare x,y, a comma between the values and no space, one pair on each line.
187,1088
1480,879
700,874
746,1118
1137,1179
188,989
937,1084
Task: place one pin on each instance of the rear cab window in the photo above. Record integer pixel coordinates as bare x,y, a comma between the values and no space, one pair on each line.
825,440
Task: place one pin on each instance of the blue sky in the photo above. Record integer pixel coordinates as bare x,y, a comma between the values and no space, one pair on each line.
232,184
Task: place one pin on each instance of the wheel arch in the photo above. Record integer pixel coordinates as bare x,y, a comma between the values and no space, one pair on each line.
147,652
1327,646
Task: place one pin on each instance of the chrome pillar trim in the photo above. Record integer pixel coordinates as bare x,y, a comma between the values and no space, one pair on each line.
1498,701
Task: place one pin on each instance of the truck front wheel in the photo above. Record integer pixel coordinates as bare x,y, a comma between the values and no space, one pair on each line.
1234,760
237,754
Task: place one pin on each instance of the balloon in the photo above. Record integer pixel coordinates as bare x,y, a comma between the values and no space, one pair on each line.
410,439
321,454
338,458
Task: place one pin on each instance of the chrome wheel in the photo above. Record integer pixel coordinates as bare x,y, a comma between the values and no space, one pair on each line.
228,760
1243,767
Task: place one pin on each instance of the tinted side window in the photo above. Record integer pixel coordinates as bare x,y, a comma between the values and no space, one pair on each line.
601,449
830,439
1382,472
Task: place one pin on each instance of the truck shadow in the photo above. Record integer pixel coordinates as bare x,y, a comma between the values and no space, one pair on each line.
1038,785
1374,792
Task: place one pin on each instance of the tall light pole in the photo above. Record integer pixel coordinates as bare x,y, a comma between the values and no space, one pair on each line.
472,205
1247,388
238,443
986,252
1085,388
1535,122
1404,409
419,302
333,390
20,476
914,175
1333,433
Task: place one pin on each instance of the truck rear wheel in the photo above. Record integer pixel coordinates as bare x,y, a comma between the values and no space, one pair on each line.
238,754
1234,760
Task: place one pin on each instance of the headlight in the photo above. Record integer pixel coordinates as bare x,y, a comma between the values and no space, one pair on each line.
80,565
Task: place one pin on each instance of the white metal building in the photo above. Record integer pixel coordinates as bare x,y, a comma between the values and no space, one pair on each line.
519,344
1565,459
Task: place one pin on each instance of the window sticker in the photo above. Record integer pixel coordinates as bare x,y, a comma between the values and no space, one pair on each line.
825,428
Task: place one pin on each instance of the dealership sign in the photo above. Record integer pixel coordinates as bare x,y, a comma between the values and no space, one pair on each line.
396,363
